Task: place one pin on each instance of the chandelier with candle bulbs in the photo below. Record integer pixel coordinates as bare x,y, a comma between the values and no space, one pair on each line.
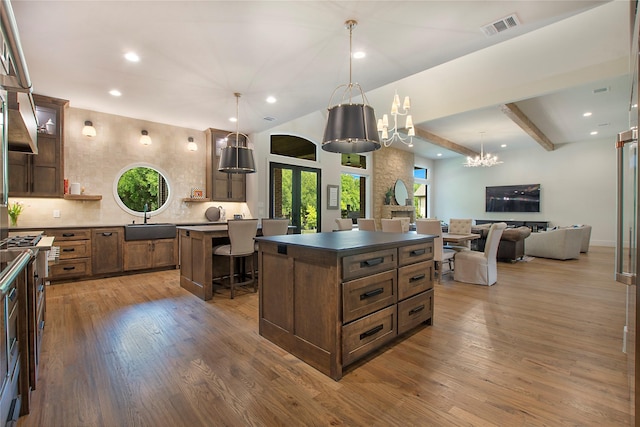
485,160
383,123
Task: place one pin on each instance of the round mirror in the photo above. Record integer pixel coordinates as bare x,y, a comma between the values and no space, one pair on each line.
139,188
401,194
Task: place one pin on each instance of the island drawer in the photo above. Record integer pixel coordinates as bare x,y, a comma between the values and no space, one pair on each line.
74,249
415,310
411,254
368,294
367,334
69,234
360,265
71,268
415,278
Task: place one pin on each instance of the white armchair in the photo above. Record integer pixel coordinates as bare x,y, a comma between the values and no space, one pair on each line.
480,268
562,243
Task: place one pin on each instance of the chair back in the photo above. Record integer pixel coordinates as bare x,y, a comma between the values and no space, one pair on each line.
367,224
493,240
241,234
460,226
393,225
344,223
432,226
275,227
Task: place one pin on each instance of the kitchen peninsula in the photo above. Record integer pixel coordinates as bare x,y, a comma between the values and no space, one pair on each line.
333,298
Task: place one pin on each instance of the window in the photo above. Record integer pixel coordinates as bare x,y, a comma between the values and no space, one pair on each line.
420,192
352,196
293,146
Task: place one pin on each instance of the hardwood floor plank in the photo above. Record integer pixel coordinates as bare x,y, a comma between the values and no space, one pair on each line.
541,347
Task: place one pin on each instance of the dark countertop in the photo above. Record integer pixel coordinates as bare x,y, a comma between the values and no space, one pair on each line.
346,240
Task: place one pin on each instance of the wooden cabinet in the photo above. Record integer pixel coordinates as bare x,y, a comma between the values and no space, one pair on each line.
330,299
221,186
75,253
107,250
143,254
41,175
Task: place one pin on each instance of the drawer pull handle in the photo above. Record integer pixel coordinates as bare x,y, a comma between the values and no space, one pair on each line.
417,252
12,294
105,234
418,309
371,262
372,293
68,249
42,325
371,331
68,234
417,277
68,268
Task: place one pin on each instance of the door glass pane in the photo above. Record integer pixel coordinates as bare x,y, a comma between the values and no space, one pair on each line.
309,201
352,190
294,194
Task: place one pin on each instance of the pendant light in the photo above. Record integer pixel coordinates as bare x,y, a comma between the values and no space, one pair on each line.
237,158
351,128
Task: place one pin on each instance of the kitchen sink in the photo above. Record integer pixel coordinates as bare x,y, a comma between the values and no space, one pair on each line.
149,231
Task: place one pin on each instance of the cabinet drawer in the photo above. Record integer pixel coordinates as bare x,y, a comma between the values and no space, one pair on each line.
73,234
71,268
415,278
74,249
367,334
368,294
354,266
415,310
411,254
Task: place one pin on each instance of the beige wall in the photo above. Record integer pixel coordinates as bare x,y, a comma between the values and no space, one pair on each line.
95,163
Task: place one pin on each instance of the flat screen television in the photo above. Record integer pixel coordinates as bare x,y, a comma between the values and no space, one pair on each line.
513,198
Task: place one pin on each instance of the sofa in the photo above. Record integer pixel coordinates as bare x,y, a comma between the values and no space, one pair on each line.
561,243
511,245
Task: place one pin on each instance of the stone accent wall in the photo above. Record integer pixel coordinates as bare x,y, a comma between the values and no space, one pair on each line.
389,165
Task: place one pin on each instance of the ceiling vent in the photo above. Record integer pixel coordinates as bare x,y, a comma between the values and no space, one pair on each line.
500,25
601,90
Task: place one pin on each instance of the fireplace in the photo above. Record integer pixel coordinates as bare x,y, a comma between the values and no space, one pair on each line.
397,211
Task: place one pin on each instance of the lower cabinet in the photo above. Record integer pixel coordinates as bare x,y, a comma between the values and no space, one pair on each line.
106,250
143,254
75,253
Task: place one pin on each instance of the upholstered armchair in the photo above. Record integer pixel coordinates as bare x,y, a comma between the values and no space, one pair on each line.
480,268
562,243
393,225
366,224
344,224
440,255
460,226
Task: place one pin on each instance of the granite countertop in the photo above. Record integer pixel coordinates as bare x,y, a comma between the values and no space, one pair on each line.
346,240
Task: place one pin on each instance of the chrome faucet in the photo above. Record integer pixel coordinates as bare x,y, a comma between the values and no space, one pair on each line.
146,208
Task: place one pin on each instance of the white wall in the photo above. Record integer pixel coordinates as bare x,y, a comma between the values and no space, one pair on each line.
578,186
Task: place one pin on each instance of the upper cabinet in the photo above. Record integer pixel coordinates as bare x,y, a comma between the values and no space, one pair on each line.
222,186
41,175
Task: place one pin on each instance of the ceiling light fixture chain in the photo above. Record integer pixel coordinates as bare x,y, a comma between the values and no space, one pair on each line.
484,160
383,123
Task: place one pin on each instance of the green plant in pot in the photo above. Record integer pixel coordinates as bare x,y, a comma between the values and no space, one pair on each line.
388,196
14,210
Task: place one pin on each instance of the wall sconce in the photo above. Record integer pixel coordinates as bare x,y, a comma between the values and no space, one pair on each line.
88,129
145,139
192,146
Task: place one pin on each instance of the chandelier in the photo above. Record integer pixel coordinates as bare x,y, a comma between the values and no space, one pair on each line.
383,123
351,128
484,160
236,158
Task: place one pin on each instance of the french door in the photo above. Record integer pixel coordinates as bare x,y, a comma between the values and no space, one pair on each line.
294,193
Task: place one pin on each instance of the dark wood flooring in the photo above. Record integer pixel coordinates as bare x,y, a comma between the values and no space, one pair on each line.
542,347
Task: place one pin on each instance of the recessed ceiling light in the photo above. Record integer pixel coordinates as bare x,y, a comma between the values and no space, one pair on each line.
359,54
595,132
271,99
115,92
439,154
132,56
504,146
587,114
233,119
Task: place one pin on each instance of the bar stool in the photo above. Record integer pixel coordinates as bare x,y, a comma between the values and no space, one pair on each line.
241,246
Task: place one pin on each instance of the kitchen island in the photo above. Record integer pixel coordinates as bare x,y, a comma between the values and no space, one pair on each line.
333,298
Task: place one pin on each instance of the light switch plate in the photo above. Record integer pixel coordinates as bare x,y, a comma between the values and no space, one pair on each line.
56,213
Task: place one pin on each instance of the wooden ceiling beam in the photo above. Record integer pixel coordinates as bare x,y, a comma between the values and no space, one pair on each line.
512,111
444,143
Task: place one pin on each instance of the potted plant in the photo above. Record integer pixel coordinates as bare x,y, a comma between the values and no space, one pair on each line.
15,210
388,195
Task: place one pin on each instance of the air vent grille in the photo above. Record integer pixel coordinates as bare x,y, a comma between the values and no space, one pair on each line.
500,25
